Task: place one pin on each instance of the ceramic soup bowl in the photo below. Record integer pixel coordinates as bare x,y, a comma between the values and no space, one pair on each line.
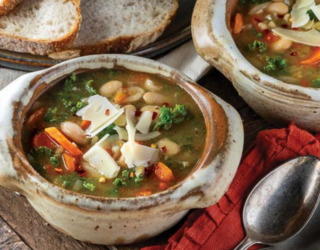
118,220
274,100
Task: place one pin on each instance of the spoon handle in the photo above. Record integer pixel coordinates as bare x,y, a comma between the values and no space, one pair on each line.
245,244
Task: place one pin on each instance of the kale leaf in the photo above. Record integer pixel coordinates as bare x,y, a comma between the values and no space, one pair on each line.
90,89
108,130
257,46
89,186
169,116
275,65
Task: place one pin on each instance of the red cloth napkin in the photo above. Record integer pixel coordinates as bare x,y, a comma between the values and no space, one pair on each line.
219,227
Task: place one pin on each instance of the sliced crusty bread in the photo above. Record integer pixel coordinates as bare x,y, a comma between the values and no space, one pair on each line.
122,25
7,5
40,26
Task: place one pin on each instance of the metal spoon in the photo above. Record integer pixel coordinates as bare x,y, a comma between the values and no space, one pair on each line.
282,203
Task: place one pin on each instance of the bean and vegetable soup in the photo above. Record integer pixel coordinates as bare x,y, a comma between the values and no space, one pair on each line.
114,133
280,38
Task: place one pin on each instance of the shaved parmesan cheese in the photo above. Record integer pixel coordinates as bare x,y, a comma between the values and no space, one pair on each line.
316,11
100,112
310,37
144,122
299,13
137,155
102,162
300,17
303,3
123,135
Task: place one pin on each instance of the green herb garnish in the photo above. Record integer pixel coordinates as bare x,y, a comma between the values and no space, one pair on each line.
108,130
90,89
44,151
312,16
53,116
54,161
169,116
257,46
275,65
316,82
89,186
119,182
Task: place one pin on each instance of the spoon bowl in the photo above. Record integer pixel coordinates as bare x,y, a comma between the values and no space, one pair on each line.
282,203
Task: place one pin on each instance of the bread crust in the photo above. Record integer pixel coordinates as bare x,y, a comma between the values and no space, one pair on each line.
126,44
8,5
41,46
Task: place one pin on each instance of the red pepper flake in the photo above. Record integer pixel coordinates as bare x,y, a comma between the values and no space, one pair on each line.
138,113
109,151
266,31
280,16
284,25
149,170
58,170
166,104
294,28
164,149
81,171
154,115
108,112
256,19
293,53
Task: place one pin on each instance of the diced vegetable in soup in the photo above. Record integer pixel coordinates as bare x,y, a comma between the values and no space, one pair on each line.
114,133
280,38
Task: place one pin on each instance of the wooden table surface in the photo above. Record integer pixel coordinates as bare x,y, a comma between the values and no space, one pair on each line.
21,227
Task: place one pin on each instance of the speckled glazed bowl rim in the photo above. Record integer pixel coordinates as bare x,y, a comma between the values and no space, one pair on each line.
222,37
179,192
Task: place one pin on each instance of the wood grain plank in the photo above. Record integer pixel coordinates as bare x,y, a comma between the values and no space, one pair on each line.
9,240
23,219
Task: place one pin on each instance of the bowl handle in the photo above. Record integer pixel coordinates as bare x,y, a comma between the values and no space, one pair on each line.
12,170
209,46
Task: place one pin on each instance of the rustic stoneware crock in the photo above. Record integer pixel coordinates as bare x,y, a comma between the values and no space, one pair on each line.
276,101
111,220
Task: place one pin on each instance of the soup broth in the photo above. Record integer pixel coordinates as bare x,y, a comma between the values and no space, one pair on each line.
272,37
114,133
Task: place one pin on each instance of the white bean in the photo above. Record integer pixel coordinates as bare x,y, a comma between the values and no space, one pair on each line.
171,148
151,86
134,94
281,45
279,8
154,98
74,132
109,88
258,8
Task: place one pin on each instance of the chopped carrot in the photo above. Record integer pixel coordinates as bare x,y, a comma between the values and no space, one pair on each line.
43,140
131,174
163,185
144,193
314,58
58,170
119,97
56,135
85,124
255,22
35,118
238,23
69,162
163,172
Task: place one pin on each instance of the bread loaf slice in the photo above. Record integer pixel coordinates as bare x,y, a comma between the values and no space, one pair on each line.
40,26
7,5
122,25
